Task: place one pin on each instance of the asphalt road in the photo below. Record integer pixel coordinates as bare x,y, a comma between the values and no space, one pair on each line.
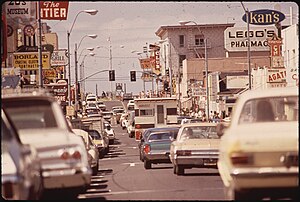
121,176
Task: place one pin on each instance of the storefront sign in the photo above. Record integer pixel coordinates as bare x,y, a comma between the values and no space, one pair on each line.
20,9
237,82
264,17
236,38
276,75
59,58
54,10
30,60
145,63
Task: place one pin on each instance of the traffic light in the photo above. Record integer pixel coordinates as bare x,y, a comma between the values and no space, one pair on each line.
111,75
166,86
132,76
167,72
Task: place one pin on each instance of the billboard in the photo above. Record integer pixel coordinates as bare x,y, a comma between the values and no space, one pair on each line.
30,60
236,38
54,10
237,82
20,9
59,58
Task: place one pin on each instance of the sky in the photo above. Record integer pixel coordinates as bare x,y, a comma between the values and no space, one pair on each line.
133,24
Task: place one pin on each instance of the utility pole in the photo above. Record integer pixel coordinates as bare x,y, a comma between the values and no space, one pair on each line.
206,74
40,46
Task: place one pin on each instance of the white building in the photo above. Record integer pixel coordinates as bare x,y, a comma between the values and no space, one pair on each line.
290,52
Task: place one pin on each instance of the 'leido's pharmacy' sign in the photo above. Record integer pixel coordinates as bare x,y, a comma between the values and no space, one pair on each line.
236,38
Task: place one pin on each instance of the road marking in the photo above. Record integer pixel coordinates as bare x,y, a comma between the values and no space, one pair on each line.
131,164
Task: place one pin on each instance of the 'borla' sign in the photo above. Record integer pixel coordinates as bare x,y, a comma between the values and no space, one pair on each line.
264,17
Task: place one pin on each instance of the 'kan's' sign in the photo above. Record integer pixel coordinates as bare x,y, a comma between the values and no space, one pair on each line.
264,17
54,10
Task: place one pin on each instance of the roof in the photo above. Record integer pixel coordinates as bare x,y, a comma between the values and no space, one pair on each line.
162,29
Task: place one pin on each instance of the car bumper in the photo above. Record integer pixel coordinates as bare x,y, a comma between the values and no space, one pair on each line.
67,178
195,160
158,156
265,177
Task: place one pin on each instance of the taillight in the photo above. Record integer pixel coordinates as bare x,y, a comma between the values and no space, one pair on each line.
241,158
70,153
76,155
137,126
183,152
8,190
64,155
138,135
147,148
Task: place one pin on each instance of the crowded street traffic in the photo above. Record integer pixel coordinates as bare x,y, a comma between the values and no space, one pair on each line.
149,101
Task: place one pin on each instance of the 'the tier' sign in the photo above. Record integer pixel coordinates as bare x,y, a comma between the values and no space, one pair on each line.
54,10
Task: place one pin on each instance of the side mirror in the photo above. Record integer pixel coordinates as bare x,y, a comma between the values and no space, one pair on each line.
221,128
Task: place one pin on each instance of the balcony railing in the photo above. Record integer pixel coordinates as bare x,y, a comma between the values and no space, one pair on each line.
199,46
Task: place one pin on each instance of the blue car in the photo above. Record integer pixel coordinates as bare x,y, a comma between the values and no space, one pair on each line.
155,145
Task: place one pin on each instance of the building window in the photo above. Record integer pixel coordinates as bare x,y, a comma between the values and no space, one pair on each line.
199,40
181,40
181,58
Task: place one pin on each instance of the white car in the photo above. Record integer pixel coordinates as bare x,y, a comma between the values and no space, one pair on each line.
196,146
63,156
259,150
110,132
90,147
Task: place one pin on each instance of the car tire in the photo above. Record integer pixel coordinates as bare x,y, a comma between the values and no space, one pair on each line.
179,170
174,169
141,157
147,164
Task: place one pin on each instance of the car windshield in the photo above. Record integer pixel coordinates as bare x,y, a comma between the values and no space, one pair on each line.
161,136
95,134
199,132
271,109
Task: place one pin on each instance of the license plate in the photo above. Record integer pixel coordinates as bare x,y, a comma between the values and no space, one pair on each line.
210,162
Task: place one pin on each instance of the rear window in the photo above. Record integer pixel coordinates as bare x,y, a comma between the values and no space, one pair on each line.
95,134
31,114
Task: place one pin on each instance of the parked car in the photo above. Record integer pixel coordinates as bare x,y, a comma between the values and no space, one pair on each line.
259,149
117,112
91,149
173,129
196,145
100,141
21,173
110,132
123,120
130,124
40,122
156,147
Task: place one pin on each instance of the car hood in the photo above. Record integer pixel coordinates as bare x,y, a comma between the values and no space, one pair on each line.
46,137
281,136
196,144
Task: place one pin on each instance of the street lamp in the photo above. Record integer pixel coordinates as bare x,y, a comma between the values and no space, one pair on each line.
93,36
206,66
91,12
81,68
110,59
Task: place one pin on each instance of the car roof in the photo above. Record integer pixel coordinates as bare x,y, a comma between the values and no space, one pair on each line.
199,124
